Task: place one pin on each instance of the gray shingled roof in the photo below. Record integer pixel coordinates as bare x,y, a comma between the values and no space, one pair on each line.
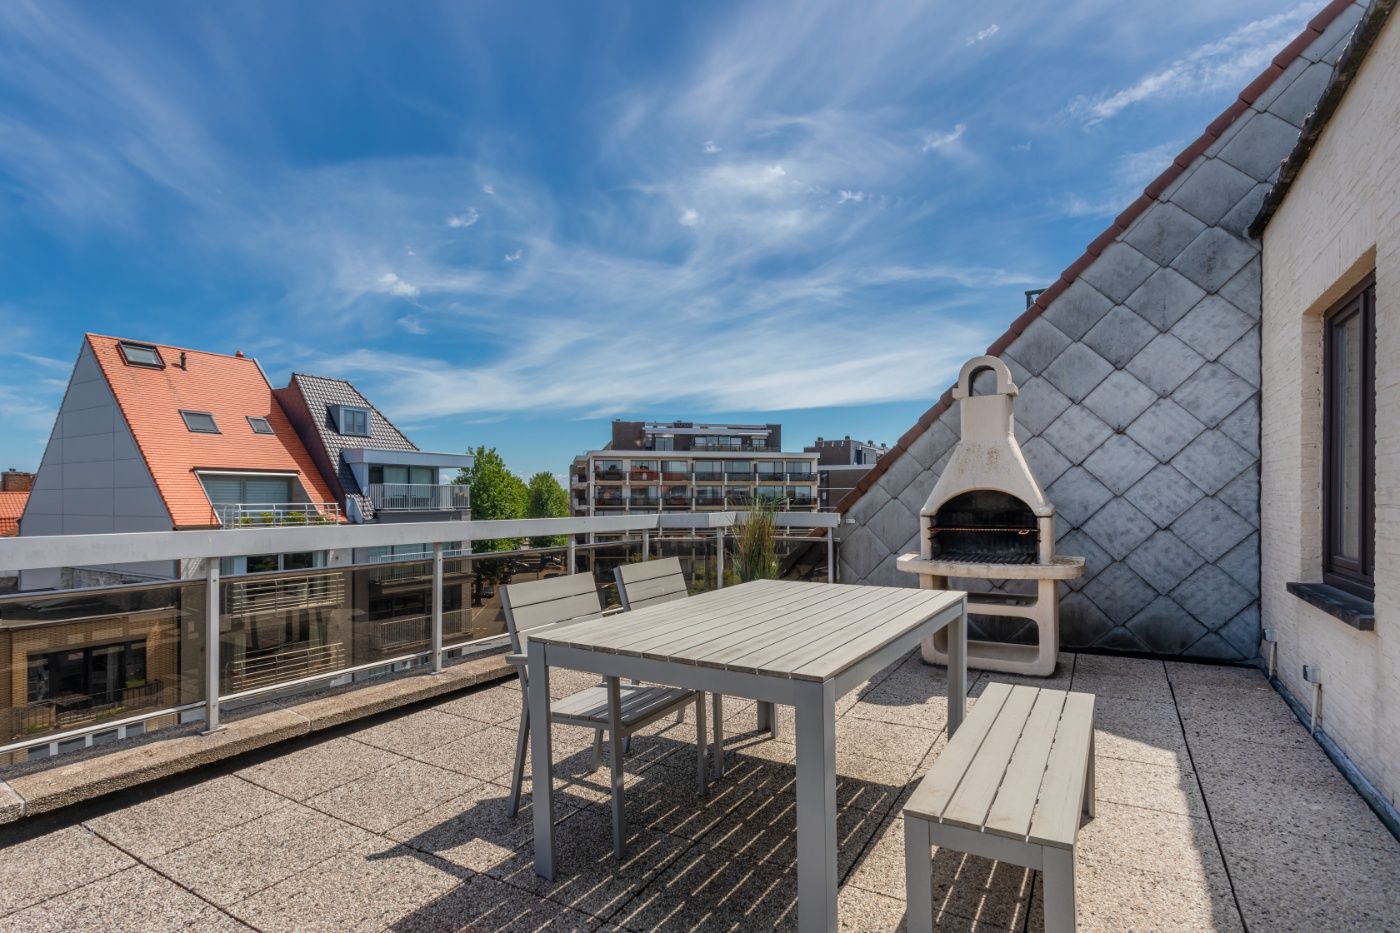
319,393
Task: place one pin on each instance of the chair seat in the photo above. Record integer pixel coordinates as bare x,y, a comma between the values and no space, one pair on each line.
639,704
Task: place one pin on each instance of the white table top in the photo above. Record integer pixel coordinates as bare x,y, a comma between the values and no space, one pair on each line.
780,628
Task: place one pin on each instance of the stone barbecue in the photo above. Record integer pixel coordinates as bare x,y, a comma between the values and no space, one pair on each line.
987,518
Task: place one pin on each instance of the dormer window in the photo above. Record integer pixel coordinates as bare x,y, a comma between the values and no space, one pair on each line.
200,422
351,420
259,425
141,354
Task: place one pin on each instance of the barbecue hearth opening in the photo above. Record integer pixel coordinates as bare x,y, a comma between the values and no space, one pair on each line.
985,526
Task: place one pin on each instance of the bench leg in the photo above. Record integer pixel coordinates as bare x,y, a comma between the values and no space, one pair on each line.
1059,889
1089,781
597,749
918,870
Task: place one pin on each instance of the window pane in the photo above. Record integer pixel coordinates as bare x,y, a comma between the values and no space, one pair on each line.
200,422
1348,361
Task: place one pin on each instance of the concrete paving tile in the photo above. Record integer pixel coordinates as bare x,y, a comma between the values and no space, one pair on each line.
475,830
239,862
1221,760
494,706
767,829
386,798
1186,674
488,754
134,899
42,867
485,905
417,733
886,705
317,768
859,911
1152,840
1139,784
709,888
744,721
1139,730
1332,812
587,877
1110,898
884,741
963,885
1265,723
1121,678
370,887
665,798
1286,882
175,819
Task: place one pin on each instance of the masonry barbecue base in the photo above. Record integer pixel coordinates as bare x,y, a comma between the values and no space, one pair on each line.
988,519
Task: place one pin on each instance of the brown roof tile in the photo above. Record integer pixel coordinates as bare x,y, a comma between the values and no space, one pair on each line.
11,508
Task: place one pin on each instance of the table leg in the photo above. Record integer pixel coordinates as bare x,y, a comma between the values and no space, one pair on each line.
816,807
768,719
718,703
541,770
957,671
615,753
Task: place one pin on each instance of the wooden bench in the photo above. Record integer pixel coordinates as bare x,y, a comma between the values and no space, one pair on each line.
1010,786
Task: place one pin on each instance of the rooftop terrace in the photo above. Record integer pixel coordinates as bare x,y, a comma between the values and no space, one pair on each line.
1216,811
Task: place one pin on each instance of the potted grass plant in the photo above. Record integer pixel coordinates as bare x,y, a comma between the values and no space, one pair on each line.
754,551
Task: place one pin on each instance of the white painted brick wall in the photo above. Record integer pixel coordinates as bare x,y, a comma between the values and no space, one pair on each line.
1340,220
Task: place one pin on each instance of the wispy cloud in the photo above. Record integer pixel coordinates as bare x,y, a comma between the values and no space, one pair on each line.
946,140
689,217
709,148
1222,64
488,189
1129,175
846,196
982,35
514,256
390,284
411,324
464,219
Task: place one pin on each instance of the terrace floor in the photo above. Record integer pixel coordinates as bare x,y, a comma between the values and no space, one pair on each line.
1216,811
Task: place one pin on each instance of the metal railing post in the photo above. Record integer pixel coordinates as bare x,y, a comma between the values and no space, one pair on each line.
211,645
646,544
437,608
719,558
831,555
573,555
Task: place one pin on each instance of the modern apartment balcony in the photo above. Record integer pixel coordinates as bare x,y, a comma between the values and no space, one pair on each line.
768,476
674,476
643,476
287,662
676,501
738,497
705,502
413,497
738,476
67,712
270,514
802,477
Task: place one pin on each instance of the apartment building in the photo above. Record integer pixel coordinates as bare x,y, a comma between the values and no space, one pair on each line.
841,464
682,466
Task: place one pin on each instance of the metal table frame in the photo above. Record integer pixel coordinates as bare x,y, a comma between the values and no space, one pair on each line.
814,702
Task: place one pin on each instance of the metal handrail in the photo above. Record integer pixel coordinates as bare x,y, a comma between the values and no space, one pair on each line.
269,514
421,497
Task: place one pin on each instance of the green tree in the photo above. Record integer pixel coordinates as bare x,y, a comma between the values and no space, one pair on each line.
497,494
547,499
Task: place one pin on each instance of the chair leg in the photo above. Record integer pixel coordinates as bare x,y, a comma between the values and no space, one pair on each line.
718,702
1089,782
701,748
522,739
615,740
1058,880
597,749
918,876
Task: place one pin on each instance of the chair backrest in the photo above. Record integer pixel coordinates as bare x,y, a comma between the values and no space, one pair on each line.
650,582
537,603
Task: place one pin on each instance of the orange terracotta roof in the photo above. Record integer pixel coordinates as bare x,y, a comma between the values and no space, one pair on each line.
1184,159
230,388
11,508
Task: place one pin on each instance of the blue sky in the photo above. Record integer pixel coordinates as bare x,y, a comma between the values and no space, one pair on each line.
510,223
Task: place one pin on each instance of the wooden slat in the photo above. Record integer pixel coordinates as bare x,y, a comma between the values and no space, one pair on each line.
650,570
820,634
548,589
1056,820
738,642
1015,804
846,648
699,630
637,702
557,610
656,600
938,786
641,590
972,801
631,628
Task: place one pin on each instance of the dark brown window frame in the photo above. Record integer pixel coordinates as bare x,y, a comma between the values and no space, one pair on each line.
1354,576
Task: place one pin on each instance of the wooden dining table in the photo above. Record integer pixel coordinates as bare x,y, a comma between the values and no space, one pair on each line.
800,644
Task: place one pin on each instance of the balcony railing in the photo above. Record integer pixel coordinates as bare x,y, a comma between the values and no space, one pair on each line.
267,514
279,593
675,476
65,712
414,497
611,476
414,631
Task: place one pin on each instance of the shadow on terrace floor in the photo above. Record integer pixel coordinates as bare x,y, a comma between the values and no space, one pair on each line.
1215,808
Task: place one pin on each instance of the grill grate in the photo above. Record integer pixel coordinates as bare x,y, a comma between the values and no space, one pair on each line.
962,556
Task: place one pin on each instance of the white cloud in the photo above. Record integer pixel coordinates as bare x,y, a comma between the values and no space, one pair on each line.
982,35
944,140
709,148
390,284
412,324
464,219
488,189
689,217
1224,64
1128,177
850,197
515,256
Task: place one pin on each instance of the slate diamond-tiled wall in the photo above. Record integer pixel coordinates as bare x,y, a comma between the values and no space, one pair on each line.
1139,411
